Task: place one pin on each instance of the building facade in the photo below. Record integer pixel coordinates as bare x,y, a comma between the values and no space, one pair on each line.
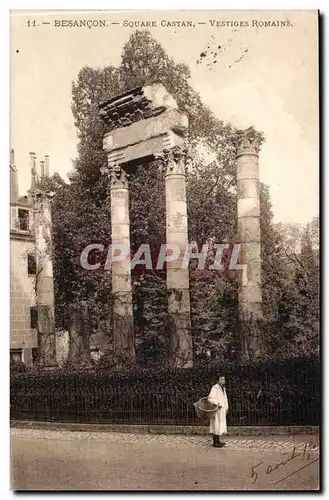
23,271
23,315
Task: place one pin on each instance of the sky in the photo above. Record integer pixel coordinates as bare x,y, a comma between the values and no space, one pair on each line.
264,76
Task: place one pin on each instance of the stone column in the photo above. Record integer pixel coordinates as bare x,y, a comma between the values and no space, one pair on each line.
248,208
123,331
180,338
44,279
79,334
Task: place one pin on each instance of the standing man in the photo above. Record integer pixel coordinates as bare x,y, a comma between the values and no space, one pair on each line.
218,397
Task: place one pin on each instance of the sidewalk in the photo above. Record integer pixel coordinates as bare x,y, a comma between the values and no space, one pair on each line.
103,461
167,429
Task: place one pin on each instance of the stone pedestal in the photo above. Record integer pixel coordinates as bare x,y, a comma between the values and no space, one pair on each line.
180,340
250,287
44,279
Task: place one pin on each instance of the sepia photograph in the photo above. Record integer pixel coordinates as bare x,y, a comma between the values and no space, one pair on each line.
164,250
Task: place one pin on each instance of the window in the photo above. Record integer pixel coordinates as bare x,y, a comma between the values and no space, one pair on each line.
23,219
15,355
31,264
35,355
34,317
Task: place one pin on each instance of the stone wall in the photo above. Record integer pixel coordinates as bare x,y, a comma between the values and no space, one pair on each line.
22,298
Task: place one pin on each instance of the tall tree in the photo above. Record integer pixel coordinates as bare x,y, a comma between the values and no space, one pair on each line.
307,279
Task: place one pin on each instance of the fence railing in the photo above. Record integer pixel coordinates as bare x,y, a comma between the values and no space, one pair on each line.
118,406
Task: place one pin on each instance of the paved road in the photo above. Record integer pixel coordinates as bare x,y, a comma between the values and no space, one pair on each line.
63,460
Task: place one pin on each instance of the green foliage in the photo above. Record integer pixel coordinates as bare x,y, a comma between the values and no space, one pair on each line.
303,322
213,312
290,286
272,393
17,367
274,271
306,277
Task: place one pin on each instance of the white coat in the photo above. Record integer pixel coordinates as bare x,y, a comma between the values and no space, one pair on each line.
218,396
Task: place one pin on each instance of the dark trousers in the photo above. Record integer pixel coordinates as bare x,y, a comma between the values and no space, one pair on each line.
216,440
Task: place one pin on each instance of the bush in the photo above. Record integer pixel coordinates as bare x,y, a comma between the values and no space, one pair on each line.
114,360
272,393
18,367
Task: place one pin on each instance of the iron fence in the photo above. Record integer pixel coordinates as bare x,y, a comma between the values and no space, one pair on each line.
118,406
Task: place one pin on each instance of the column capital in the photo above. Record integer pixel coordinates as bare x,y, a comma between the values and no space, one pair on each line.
40,199
117,175
175,160
248,141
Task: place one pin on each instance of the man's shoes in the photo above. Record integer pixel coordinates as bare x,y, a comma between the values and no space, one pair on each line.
221,444
216,441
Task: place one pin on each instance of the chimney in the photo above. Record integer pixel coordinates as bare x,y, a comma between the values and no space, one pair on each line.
13,178
46,165
12,157
42,168
33,170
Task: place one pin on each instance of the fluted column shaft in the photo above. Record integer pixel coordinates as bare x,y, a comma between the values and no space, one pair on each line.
248,208
123,332
180,341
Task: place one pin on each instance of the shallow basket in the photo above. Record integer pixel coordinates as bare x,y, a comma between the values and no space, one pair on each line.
204,408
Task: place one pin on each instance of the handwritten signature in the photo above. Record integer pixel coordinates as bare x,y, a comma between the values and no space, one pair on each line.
304,454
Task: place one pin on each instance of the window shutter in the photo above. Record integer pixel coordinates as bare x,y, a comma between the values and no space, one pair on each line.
13,217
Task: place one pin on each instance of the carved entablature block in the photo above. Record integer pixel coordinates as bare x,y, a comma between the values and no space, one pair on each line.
156,124
248,141
137,104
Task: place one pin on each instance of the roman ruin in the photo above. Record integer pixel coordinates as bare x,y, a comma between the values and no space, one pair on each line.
145,124
248,209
